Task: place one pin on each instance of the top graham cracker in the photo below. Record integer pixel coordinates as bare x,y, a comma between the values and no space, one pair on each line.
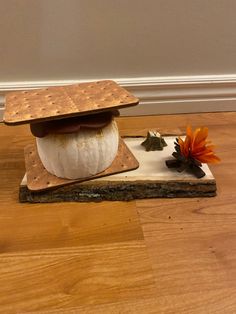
65,101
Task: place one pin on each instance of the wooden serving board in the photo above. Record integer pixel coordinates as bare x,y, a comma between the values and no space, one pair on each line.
151,180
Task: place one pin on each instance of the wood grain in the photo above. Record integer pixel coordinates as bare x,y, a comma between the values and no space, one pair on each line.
217,302
63,278
149,256
66,225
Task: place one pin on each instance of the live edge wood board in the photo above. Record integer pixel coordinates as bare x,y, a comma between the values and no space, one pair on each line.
151,180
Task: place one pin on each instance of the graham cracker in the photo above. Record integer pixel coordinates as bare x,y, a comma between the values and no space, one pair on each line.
65,101
38,178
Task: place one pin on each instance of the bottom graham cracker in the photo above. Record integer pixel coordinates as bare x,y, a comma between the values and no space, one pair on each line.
152,179
38,178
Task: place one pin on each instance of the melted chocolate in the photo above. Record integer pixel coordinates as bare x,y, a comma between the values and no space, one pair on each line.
72,125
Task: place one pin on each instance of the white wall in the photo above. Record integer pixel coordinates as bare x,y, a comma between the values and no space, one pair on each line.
60,40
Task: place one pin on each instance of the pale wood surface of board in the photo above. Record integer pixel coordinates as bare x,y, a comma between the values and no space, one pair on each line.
146,256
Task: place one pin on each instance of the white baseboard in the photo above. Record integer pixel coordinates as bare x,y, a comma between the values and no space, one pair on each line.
160,95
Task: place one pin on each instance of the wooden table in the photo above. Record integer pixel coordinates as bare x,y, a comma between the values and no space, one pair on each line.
146,256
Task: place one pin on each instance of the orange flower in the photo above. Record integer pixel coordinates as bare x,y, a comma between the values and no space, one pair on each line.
195,146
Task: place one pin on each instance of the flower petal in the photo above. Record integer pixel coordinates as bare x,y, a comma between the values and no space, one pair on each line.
210,158
196,147
201,136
